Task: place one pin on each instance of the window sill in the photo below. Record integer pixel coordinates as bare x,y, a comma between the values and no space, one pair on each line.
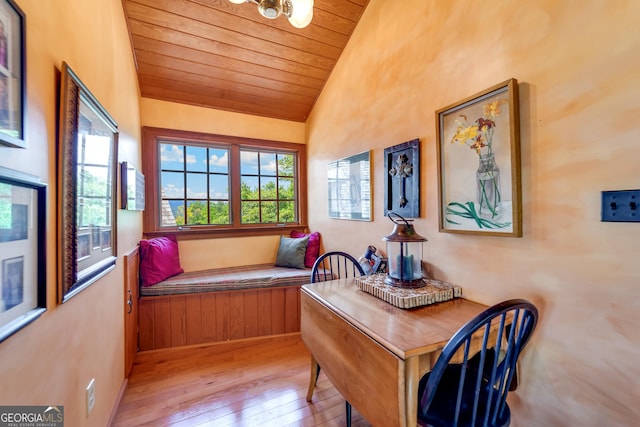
195,233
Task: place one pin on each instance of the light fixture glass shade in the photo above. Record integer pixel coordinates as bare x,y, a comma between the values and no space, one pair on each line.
270,8
237,1
301,13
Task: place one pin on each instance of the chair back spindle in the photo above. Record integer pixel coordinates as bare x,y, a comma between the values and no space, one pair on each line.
335,265
469,383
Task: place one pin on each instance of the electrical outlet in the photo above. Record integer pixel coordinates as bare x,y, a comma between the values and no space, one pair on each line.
621,206
91,395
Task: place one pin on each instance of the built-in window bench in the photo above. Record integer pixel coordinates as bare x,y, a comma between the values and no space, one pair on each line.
219,305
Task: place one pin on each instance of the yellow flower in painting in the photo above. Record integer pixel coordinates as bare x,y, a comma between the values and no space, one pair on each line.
479,134
492,109
464,133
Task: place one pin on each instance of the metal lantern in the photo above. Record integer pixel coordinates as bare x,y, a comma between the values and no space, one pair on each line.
404,253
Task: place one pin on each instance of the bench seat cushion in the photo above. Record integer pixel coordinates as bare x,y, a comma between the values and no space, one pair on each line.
229,279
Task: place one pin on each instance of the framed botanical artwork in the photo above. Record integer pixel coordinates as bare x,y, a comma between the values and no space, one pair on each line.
402,179
478,154
22,251
87,199
12,74
349,187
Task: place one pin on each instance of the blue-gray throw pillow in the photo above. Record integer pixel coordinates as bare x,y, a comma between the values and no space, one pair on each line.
291,252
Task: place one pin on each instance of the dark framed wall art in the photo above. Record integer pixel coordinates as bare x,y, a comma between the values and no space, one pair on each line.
479,163
349,187
22,251
402,179
87,181
12,74
131,188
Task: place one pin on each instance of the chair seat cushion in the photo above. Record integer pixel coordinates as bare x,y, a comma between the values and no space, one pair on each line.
442,409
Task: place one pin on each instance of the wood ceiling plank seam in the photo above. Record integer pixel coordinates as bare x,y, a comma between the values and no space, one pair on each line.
345,9
246,79
332,22
321,18
234,89
240,103
194,56
217,54
195,29
224,93
264,93
170,10
237,87
285,113
212,46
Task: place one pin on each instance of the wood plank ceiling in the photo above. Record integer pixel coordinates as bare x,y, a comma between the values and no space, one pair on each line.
217,54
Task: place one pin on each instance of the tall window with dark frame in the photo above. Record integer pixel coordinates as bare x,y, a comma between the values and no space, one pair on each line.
267,187
196,184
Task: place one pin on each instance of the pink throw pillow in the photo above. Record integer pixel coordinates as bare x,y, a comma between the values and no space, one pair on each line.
159,260
313,247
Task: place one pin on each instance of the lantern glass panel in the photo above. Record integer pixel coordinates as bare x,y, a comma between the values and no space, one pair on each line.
405,260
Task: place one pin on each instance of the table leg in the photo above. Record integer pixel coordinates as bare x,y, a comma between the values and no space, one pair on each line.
315,369
411,379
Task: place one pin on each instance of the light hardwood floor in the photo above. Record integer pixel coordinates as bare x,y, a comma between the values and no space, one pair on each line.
256,382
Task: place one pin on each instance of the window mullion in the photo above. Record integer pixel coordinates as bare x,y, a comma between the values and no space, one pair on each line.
235,193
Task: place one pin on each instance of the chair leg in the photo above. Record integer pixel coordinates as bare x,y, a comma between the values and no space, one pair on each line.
348,407
315,370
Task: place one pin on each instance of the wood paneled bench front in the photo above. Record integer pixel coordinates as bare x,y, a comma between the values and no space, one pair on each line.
221,304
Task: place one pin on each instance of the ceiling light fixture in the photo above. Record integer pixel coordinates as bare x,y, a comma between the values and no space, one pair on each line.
298,12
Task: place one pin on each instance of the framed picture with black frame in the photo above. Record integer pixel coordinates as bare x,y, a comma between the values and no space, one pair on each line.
402,179
12,74
22,251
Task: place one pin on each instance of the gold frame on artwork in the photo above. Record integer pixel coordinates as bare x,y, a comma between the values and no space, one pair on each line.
478,151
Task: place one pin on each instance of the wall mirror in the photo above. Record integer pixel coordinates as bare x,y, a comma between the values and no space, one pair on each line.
86,187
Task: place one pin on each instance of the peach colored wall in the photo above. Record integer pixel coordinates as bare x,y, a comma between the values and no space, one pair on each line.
227,252
51,361
197,119
578,68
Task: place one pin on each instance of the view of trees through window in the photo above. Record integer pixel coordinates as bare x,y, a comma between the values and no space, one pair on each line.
196,185
94,187
267,187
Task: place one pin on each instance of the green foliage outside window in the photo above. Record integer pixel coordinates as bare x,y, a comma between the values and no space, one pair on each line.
272,202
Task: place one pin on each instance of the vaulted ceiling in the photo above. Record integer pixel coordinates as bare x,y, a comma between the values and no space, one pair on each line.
217,54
